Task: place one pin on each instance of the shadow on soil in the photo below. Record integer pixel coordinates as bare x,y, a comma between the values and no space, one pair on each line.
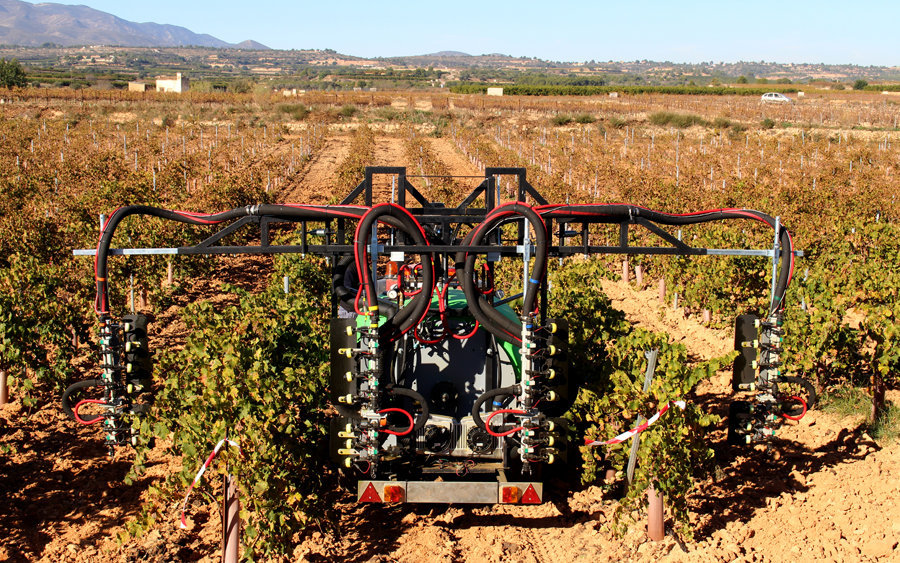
53,478
747,478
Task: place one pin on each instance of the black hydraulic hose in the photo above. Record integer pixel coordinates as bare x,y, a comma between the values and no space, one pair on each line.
482,308
383,213
492,320
618,212
422,418
483,398
347,295
409,315
67,405
290,212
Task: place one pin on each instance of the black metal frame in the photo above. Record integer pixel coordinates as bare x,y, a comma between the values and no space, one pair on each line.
446,221
434,214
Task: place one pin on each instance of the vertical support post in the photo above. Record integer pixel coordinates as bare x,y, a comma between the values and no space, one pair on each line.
490,194
526,256
526,319
368,193
231,521
4,387
662,291
776,248
656,527
170,274
675,300
374,254
626,272
401,188
651,356
393,194
878,392
287,285
131,293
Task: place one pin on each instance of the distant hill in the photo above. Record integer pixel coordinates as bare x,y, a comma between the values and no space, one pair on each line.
251,45
32,25
448,54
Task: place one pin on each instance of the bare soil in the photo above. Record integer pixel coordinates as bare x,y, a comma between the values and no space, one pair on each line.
828,492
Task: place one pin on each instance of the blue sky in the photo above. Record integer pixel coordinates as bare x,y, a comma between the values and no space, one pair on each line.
865,32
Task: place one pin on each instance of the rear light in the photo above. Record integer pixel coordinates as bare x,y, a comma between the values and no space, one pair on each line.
370,494
530,496
509,494
393,493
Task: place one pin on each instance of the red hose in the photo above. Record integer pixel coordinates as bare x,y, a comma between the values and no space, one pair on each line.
84,401
467,335
412,423
356,301
802,414
442,309
425,341
487,423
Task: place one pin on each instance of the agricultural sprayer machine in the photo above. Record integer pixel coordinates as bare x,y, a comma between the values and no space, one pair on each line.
446,390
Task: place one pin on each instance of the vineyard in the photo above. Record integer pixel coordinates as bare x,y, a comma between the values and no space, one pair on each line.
240,344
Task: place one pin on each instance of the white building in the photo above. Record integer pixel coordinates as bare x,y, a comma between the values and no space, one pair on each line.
179,84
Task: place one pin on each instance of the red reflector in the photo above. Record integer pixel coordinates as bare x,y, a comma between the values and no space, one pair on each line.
370,494
393,493
509,494
530,496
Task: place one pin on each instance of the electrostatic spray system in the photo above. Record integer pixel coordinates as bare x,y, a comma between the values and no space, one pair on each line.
446,390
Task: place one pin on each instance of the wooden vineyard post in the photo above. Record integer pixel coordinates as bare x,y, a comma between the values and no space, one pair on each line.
625,271
4,388
656,527
231,521
662,291
655,524
878,390
170,274
639,276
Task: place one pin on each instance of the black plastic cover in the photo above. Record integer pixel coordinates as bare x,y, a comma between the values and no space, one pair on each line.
137,350
340,363
739,415
561,383
745,335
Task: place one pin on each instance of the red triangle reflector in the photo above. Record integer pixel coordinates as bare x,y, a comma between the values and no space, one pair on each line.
370,494
530,496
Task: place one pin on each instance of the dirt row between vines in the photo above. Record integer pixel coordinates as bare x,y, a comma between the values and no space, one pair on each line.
828,493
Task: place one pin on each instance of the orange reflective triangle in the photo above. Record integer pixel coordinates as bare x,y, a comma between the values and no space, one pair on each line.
370,494
530,496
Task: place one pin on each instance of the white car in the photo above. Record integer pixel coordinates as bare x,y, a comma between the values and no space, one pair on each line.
776,97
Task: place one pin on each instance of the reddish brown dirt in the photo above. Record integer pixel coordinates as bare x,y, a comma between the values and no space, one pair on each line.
389,151
455,161
316,181
828,493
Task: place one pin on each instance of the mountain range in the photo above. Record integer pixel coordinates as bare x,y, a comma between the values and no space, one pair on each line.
31,25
